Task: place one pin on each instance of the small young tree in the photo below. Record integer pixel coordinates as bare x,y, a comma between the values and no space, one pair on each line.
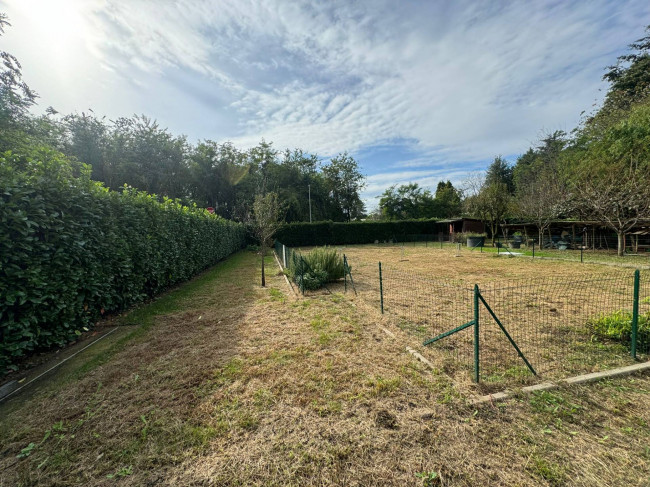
543,199
490,202
266,220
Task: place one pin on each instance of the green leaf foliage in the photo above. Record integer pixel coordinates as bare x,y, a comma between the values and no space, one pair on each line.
71,250
335,233
618,326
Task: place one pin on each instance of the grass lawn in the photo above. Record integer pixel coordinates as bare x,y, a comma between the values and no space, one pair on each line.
225,383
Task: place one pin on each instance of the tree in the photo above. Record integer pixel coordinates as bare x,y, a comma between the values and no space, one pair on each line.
612,182
545,157
344,183
407,201
87,138
630,76
266,220
491,203
16,97
448,200
542,200
619,200
500,172
149,157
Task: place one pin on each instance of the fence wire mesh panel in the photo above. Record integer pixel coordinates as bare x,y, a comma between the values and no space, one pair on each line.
429,307
576,321
297,268
597,249
563,326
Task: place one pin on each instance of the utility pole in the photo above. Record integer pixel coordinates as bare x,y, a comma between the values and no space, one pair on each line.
309,186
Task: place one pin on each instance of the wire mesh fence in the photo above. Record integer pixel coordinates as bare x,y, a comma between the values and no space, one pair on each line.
563,325
599,249
308,280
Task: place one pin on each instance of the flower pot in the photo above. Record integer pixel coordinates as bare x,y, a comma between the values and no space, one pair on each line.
475,241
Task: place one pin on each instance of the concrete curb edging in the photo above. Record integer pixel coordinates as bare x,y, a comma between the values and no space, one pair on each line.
579,379
284,275
410,350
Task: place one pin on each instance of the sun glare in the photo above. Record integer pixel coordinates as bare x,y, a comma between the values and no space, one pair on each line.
60,27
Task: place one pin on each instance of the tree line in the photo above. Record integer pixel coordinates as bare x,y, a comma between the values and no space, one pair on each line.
136,151
600,171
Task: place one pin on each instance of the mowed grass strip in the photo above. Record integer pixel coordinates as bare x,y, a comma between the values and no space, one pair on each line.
232,384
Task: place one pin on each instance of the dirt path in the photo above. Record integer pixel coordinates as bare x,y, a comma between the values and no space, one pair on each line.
238,385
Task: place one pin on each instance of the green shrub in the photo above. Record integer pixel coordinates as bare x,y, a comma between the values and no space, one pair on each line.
316,268
327,260
335,233
71,250
618,326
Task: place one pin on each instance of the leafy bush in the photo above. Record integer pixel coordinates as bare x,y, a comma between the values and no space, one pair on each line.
327,260
312,279
71,250
315,268
618,326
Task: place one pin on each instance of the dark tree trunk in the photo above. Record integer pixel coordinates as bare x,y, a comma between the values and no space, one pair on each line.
621,244
263,278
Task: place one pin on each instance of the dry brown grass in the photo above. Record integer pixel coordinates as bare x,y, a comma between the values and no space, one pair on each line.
248,386
545,305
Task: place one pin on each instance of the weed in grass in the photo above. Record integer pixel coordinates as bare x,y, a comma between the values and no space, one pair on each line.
229,372
302,304
326,338
123,472
263,398
248,421
516,372
554,404
553,473
143,431
448,394
318,323
277,295
327,408
200,436
383,387
27,451
429,479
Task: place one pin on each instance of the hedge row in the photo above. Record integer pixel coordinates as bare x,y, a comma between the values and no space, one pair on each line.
71,250
335,233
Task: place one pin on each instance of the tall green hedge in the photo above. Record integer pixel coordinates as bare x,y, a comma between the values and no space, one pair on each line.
334,233
71,250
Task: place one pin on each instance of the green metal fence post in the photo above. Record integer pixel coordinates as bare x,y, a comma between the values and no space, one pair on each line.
302,275
345,273
533,249
381,291
581,254
635,314
476,334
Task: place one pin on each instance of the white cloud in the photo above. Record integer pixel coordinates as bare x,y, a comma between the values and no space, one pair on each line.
462,80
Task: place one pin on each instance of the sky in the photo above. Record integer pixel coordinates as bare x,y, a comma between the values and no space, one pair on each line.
416,91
